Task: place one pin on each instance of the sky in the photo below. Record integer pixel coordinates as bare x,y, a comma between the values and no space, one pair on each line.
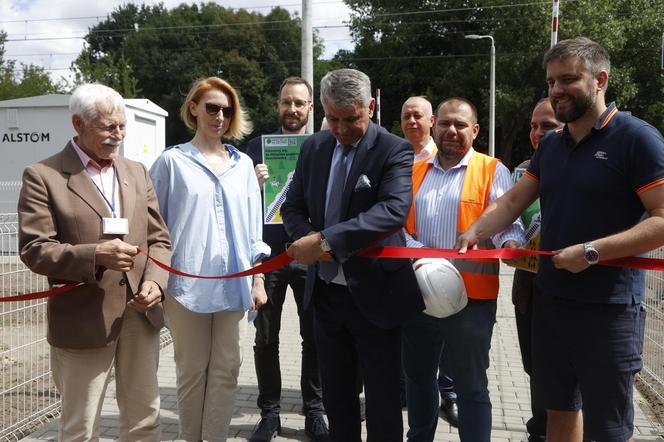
49,33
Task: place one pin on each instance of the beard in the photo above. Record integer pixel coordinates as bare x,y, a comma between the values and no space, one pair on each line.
450,149
293,122
578,106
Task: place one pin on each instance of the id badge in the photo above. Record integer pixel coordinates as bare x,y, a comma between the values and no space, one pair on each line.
115,226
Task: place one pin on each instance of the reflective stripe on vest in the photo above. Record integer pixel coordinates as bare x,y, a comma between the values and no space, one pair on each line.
480,276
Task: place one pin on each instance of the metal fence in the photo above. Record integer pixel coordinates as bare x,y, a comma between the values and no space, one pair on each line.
27,393
651,378
28,396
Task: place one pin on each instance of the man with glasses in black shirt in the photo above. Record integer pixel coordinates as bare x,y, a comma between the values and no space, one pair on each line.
294,108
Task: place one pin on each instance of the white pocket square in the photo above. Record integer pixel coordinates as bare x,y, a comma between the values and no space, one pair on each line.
362,183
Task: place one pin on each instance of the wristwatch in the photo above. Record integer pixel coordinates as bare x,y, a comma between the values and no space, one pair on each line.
590,253
324,244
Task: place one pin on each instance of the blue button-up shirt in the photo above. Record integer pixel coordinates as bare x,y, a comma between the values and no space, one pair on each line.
215,225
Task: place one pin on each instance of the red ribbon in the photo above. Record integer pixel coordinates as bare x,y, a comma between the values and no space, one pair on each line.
275,263
376,252
38,295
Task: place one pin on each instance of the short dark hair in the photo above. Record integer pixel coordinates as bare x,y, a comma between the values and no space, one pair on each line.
457,101
591,53
297,80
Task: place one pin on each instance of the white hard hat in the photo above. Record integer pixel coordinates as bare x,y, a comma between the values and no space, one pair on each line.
441,285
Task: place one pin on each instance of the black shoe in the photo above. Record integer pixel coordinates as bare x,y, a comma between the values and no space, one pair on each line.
267,429
316,428
450,412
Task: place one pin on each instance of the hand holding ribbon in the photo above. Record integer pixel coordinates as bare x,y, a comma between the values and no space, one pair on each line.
376,252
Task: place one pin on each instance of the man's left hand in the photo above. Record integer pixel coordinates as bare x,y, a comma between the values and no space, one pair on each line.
306,250
571,258
147,297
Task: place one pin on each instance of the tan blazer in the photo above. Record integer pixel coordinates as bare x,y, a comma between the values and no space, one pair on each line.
60,213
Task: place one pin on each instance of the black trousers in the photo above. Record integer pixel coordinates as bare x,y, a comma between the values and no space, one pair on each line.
344,338
522,295
266,345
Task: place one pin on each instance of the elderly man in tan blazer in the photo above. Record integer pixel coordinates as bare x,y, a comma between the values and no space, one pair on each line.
83,214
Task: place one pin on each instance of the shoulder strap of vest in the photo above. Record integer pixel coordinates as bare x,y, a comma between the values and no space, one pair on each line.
476,188
420,170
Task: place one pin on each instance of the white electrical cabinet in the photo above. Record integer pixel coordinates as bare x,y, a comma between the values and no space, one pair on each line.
35,128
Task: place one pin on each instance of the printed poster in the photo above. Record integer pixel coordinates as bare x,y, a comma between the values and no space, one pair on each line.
280,153
532,221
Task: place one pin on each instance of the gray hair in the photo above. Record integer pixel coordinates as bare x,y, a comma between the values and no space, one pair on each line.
592,54
90,98
346,87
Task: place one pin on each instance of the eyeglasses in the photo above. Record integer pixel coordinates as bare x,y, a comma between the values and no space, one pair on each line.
214,109
299,104
112,127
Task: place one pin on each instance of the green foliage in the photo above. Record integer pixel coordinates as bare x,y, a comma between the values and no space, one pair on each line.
112,70
23,81
158,53
418,48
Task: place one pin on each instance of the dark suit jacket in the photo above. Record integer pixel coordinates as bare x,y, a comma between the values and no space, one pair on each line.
60,212
384,290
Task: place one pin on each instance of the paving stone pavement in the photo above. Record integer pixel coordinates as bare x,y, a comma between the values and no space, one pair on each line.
508,386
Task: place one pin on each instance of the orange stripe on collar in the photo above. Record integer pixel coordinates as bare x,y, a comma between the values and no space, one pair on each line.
608,117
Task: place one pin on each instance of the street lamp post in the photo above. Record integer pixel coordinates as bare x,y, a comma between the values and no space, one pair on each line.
492,92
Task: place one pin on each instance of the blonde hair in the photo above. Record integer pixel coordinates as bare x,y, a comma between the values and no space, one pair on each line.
240,125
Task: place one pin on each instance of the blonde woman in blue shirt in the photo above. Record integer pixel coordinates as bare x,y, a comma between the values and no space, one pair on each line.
210,199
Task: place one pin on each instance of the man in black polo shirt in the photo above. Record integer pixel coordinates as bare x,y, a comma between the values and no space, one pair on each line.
596,177
294,107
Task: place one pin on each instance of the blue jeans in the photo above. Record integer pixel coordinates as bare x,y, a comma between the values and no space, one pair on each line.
466,337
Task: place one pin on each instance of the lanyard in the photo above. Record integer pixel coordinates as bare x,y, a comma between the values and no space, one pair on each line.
111,203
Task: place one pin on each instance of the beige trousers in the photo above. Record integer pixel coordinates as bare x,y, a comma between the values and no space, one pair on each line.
207,363
81,377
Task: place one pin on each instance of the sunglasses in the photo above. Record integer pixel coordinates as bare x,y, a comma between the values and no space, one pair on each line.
214,109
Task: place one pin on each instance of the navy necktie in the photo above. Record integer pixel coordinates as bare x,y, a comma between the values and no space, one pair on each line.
328,270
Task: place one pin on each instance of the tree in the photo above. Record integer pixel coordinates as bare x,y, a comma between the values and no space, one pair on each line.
418,48
23,81
112,70
158,53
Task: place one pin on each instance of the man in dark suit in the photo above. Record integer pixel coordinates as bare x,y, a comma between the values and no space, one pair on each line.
351,189
83,214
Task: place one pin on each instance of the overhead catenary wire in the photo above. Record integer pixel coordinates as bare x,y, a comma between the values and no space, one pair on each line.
375,19
89,17
210,27
503,55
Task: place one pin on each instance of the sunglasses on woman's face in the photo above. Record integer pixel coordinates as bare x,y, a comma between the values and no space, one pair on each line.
214,109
